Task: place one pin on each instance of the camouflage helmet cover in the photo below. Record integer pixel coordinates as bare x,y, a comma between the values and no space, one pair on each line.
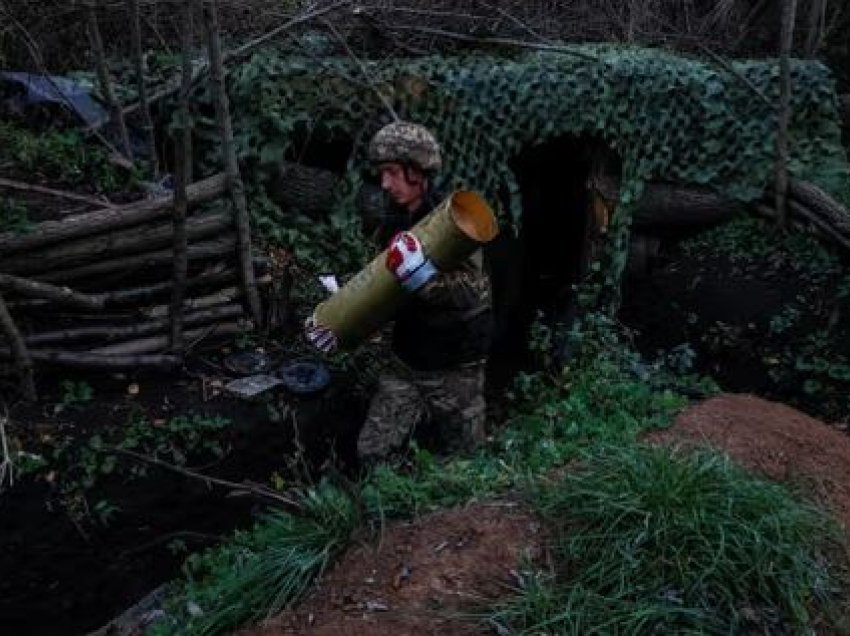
405,142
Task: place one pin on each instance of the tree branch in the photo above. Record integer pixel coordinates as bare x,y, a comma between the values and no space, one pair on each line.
71,196
246,488
20,354
231,164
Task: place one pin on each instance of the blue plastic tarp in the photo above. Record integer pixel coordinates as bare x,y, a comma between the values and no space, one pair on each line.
35,88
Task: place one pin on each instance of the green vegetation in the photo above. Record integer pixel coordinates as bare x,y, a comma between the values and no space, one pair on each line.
14,217
645,539
78,467
650,541
263,570
667,116
74,394
804,346
61,157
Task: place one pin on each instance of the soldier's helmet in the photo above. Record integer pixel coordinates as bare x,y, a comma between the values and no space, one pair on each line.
407,143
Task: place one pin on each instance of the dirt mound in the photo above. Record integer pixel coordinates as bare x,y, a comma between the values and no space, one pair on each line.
419,576
774,440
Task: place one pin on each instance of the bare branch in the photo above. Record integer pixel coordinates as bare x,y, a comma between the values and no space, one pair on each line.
20,353
789,14
7,466
183,174
496,40
71,196
104,78
369,79
244,488
138,61
231,164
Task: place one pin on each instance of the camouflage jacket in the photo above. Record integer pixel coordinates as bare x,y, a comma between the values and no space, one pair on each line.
449,322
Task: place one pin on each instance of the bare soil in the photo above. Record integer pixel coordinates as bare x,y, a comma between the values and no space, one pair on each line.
774,440
421,575
428,576
65,573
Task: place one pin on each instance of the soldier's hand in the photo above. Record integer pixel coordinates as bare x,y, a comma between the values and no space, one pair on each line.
408,262
320,337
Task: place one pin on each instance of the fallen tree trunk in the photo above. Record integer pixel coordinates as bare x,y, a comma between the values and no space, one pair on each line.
109,218
821,204
126,241
51,293
130,265
665,205
669,205
123,332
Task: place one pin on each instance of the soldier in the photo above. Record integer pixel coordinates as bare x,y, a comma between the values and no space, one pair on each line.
442,333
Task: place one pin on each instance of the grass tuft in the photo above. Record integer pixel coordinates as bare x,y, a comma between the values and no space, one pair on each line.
649,541
262,571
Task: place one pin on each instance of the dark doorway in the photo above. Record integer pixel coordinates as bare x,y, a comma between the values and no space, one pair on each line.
534,270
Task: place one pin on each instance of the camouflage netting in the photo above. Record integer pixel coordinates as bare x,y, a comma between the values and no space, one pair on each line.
667,117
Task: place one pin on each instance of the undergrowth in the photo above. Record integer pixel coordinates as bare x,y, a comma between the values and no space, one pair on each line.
645,541
61,157
800,346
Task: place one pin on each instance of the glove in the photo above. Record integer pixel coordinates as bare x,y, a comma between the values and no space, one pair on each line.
320,337
407,262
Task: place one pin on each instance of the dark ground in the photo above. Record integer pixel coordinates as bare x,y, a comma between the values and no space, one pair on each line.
67,572
775,324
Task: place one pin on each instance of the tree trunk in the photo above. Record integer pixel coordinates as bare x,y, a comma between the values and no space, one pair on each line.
234,180
60,295
789,13
183,169
139,62
669,205
109,218
220,297
122,332
104,79
127,241
20,354
98,361
130,266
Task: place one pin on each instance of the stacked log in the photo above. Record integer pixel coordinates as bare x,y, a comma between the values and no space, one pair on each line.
93,290
665,206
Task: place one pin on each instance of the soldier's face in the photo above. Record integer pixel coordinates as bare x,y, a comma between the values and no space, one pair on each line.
405,187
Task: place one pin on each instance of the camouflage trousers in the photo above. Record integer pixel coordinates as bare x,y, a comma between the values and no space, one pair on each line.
445,407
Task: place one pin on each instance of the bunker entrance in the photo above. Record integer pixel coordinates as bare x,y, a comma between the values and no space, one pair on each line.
535,269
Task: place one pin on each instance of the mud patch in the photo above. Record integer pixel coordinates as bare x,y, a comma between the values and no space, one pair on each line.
428,576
